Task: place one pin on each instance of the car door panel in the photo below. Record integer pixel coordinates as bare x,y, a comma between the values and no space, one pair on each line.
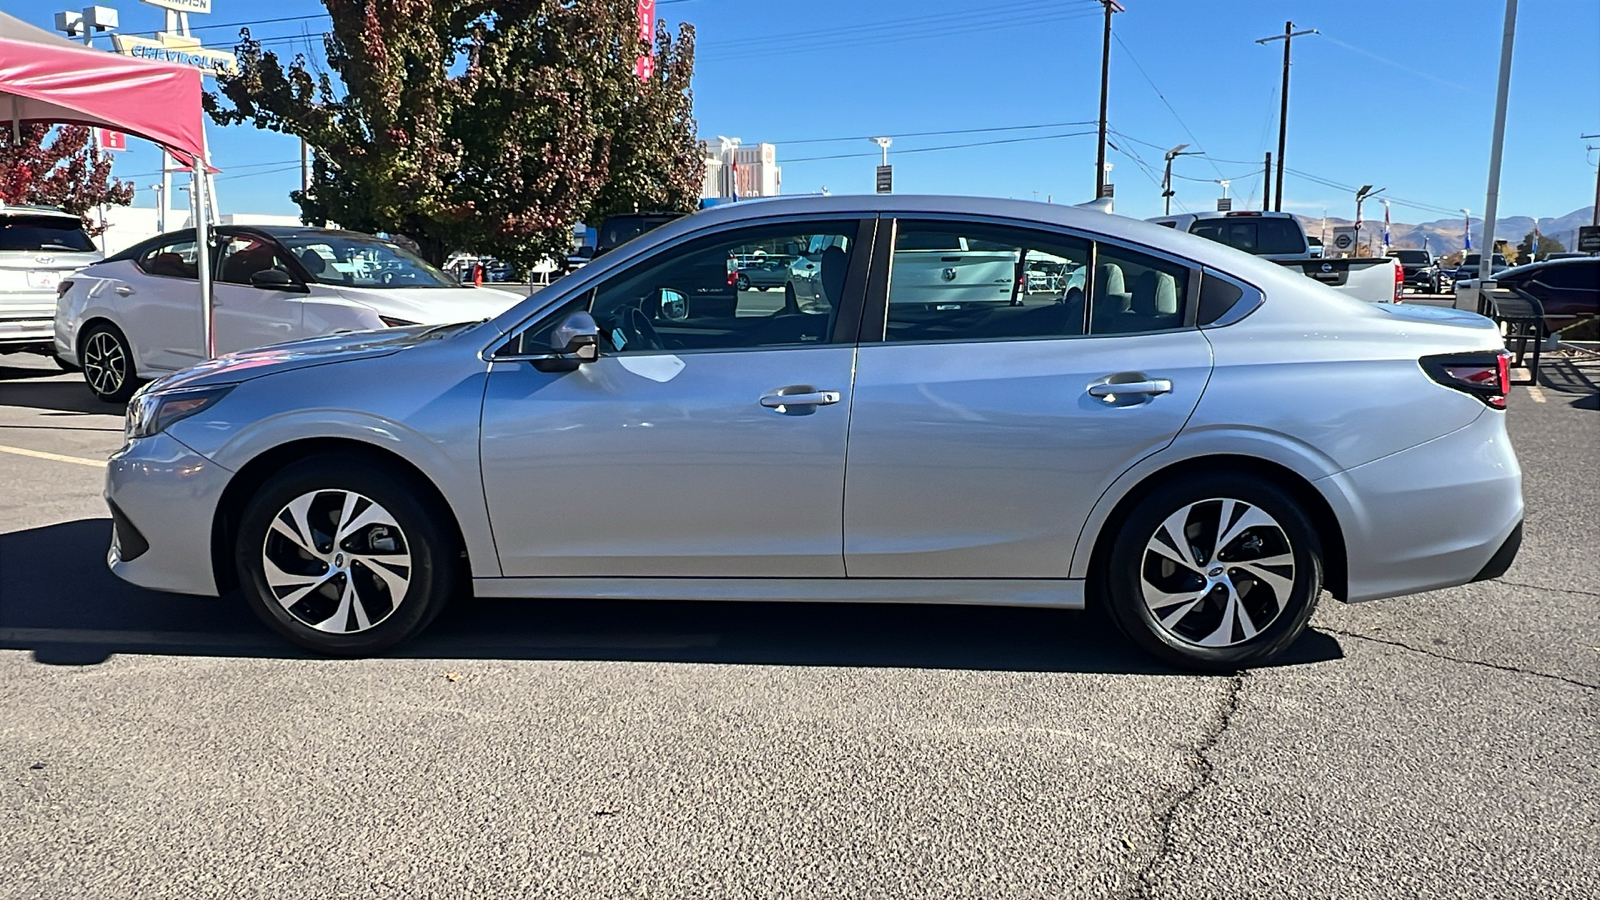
983,459
249,317
721,485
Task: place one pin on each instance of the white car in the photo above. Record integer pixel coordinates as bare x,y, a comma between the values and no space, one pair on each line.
137,314
38,248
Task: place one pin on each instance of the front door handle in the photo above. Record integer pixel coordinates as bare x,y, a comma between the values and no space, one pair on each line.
799,399
1149,387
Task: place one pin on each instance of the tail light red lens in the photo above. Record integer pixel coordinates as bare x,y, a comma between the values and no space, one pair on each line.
1399,281
1485,375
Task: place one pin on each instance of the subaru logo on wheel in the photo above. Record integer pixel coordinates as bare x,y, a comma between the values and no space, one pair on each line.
949,274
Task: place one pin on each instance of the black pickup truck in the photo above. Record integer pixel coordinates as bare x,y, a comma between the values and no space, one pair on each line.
1421,271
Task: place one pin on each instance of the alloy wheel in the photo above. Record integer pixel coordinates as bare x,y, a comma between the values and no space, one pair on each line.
105,363
336,561
1217,572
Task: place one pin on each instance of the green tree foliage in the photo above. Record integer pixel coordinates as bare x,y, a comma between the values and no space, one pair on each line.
489,126
57,167
1526,252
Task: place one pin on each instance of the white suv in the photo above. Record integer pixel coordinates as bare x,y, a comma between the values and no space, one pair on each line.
38,248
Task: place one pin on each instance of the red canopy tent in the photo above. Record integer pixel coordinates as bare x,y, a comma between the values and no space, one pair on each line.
50,80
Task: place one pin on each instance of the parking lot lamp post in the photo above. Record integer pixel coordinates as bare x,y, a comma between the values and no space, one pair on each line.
1595,216
1365,192
1166,179
1491,202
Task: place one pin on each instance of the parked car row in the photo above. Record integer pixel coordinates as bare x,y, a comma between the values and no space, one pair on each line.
137,314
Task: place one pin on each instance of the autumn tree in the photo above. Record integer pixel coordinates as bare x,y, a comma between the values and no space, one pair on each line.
55,166
483,125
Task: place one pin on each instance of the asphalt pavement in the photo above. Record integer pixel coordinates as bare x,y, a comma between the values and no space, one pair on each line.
1442,745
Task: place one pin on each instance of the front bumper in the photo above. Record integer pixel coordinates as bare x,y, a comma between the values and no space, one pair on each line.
167,495
1440,514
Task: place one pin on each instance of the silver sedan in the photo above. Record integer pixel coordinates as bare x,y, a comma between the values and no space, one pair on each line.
1197,441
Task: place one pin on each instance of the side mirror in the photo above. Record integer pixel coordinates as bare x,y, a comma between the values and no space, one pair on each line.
574,342
277,280
674,305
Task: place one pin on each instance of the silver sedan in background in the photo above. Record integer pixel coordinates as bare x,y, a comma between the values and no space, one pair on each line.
1193,439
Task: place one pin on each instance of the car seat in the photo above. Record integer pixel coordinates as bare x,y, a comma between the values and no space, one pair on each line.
1111,297
1154,301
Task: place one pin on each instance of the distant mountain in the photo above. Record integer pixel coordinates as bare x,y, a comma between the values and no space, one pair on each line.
1444,235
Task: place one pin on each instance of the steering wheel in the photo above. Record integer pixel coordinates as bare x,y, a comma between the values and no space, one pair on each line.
638,331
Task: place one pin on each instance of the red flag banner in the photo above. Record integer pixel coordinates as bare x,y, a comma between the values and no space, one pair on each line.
645,65
112,140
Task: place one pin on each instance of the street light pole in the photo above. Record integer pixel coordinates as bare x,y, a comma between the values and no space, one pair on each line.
1362,194
1166,179
1288,36
1492,201
1111,6
1595,217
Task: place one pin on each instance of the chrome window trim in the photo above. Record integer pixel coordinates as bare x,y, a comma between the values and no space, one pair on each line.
614,266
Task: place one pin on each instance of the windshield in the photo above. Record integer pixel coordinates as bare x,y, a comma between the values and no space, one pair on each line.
44,233
1411,257
359,261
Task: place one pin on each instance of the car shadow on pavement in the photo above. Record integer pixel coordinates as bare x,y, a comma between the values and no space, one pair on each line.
1576,375
20,388
58,600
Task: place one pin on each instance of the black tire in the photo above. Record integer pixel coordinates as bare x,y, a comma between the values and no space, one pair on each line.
743,283
1178,643
108,366
430,551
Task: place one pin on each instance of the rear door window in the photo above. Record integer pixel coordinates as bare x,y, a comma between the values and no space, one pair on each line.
174,259
44,233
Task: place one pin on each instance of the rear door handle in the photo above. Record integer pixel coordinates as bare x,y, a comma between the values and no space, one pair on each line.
1150,387
124,290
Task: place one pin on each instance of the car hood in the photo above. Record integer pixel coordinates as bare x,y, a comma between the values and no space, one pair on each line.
433,306
248,364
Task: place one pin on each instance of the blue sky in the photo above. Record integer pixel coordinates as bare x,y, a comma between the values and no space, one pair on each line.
1398,94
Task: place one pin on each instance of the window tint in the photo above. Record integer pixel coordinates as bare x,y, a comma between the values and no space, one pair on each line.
1252,235
1216,297
711,294
175,259
1134,293
1411,257
1576,276
245,256
360,261
954,281
44,233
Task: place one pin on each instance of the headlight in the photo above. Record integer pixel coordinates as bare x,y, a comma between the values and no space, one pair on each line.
151,412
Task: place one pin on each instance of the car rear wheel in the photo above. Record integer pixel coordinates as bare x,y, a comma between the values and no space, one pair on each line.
744,283
1216,573
108,364
344,557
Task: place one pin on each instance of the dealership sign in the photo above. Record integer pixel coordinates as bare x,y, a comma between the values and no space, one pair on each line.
177,50
185,6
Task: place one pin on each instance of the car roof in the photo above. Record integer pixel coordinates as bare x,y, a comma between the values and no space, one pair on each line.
1570,262
7,209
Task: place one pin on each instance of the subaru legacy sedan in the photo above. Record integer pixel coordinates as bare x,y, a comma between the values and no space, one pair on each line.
1194,440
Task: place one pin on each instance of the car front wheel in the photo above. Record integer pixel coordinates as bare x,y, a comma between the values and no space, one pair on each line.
343,557
1216,572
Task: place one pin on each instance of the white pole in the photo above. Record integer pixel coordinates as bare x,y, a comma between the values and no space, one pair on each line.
1486,259
203,248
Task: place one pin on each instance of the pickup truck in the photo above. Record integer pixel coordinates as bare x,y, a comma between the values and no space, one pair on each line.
1278,237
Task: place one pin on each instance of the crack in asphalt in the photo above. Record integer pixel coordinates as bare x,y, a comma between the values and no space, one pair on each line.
1205,773
1461,659
1542,587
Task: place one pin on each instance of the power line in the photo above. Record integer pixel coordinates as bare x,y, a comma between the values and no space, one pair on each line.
912,134
1150,81
991,143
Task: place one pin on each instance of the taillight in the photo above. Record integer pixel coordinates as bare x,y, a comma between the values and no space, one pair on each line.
1486,375
1399,281
62,287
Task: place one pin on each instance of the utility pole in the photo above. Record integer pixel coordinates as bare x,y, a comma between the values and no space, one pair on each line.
1595,219
1166,179
1288,36
1492,201
1266,185
305,167
1105,86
